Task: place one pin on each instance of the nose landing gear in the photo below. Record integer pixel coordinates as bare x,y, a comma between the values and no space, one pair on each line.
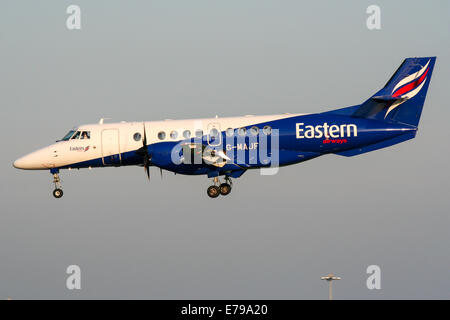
57,193
219,189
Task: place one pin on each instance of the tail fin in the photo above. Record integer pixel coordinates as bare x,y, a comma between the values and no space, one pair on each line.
401,99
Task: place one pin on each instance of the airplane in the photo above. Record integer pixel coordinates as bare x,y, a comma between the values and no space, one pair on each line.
228,147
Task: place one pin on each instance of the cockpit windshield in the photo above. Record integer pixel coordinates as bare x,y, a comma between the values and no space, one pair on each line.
85,135
68,135
76,134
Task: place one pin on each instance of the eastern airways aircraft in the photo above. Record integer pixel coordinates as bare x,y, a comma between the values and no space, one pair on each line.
227,147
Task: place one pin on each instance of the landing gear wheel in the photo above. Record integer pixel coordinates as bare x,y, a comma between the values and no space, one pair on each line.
58,193
213,191
225,189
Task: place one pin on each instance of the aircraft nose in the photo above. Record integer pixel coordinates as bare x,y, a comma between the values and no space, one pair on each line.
32,161
25,162
19,163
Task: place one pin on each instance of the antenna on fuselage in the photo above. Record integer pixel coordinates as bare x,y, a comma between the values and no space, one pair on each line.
102,120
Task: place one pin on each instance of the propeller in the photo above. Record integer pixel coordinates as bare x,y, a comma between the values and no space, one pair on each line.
146,156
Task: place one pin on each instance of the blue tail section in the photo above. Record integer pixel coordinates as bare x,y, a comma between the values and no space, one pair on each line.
402,98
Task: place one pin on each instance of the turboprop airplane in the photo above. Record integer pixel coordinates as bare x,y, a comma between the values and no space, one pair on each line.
228,147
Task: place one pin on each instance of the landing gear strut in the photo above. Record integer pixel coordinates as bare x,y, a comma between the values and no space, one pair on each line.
57,193
219,188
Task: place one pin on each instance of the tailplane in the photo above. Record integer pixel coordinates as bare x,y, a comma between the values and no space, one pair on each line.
402,98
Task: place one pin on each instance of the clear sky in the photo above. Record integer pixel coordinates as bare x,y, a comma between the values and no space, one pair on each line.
274,236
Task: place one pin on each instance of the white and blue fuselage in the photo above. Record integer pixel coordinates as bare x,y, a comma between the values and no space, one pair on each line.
299,138
230,146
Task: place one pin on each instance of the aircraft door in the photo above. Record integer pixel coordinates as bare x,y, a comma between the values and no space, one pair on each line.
111,147
214,134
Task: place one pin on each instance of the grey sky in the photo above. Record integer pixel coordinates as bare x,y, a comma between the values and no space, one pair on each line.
274,236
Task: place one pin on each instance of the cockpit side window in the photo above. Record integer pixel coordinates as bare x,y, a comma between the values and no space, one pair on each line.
85,135
68,135
77,135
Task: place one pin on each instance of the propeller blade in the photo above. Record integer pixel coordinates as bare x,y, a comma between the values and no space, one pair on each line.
144,141
147,171
145,154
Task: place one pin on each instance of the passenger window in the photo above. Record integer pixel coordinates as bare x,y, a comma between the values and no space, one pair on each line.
230,132
267,130
85,135
254,131
174,134
77,135
161,135
214,133
187,134
137,136
199,133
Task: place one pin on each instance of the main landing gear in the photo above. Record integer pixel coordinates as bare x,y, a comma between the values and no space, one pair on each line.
57,193
219,188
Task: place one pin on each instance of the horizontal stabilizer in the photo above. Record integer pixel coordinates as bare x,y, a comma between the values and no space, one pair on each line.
387,98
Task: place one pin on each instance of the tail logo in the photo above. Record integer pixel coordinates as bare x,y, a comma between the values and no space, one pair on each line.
409,87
